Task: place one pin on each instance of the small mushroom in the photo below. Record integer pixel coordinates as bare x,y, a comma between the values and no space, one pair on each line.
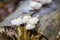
59,33
17,21
35,5
33,20
30,26
26,18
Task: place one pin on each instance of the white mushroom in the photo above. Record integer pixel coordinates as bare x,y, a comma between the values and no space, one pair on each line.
59,33
30,26
33,20
35,5
26,18
17,21
44,1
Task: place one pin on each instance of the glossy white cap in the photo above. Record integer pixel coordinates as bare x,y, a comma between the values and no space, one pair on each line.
30,26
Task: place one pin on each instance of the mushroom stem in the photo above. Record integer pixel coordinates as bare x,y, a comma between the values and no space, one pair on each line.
25,33
18,33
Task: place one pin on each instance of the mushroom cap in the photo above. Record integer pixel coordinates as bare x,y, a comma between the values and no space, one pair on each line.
38,6
26,18
59,33
30,26
33,20
16,21
35,5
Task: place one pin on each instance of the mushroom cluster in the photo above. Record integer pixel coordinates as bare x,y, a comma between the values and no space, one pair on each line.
27,19
28,23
